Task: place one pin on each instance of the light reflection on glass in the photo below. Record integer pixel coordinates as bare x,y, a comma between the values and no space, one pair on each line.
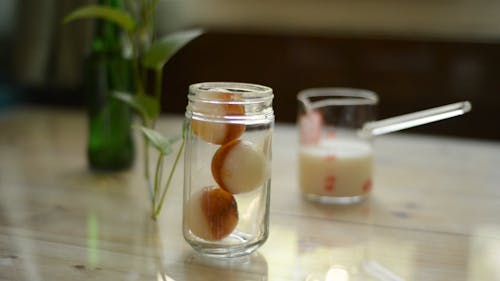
163,277
280,248
337,273
331,263
252,205
311,277
380,272
484,254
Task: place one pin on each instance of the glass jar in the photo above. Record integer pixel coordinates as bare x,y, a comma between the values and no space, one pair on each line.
227,172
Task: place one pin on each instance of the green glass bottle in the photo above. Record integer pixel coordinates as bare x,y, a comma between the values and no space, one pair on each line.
110,143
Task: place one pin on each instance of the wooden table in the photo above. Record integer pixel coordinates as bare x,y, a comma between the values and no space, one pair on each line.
434,213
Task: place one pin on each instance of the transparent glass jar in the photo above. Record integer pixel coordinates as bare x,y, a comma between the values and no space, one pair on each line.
227,171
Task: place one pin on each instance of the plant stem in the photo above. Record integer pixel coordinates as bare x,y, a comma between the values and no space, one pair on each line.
146,163
170,176
158,173
139,90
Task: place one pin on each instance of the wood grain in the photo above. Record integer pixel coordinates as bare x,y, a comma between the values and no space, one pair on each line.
433,214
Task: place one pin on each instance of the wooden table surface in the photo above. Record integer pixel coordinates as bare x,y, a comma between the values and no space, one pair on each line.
434,213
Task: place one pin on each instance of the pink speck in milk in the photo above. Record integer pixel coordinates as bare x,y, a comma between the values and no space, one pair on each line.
330,158
331,135
367,186
330,183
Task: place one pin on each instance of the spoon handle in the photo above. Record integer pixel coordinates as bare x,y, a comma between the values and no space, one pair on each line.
414,119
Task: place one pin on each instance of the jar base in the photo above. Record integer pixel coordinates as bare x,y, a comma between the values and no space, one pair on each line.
226,251
347,200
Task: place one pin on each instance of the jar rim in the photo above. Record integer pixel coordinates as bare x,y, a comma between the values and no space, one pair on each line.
318,97
248,92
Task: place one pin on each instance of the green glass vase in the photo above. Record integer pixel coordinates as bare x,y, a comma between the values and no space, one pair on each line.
110,142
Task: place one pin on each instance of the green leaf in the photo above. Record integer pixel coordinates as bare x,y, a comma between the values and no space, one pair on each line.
163,49
162,143
117,16
146,106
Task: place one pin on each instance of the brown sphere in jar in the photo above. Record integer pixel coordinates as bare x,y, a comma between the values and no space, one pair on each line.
220,105
239,167
212,214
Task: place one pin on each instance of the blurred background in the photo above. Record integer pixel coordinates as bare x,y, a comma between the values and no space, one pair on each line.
414,54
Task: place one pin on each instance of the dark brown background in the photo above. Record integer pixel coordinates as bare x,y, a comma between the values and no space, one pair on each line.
408,75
